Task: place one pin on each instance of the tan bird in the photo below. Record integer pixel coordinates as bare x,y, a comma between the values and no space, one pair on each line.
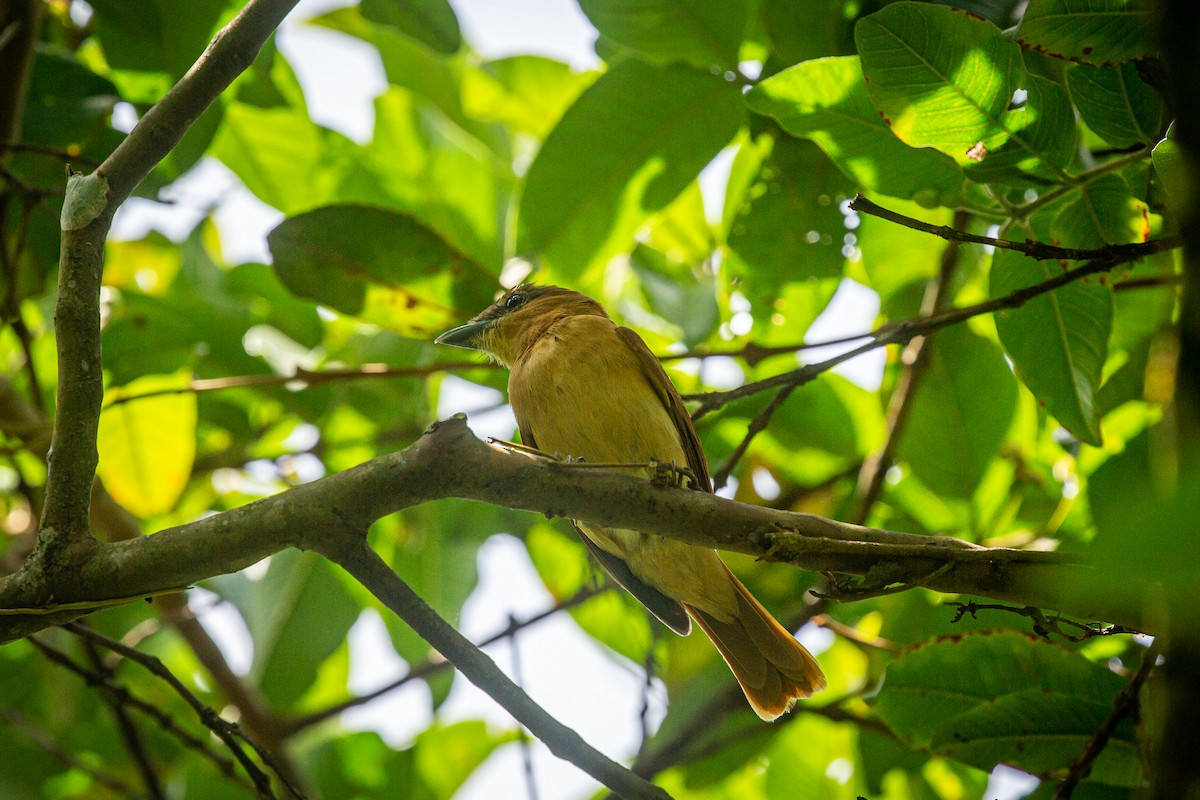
583,387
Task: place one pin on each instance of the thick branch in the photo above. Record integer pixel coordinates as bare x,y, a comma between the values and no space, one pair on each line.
450,462
88,210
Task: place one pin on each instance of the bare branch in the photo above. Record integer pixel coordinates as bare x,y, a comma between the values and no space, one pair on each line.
1124,705
227,732
348,548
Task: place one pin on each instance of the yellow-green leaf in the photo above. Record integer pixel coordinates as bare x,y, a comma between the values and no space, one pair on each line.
147,446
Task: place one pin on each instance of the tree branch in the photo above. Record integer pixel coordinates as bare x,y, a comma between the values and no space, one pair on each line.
348,548
1124,704
448,461
90,204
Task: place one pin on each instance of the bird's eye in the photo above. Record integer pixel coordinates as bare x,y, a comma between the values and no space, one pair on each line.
514,300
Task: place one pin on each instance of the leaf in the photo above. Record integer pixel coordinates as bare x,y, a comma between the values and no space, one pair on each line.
447,755
1117,104
960,413
278,153
147,446
932,685
1173,169
527,93
1041,731
298,615
383,266
826,100
791,227
1097,32
150,36
1105,213
630,143
430,22
1058,341
945,79
702,33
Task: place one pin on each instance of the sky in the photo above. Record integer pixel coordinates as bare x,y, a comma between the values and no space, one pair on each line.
588,689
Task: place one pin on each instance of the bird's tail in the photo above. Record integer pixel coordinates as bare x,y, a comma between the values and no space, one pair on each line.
773,668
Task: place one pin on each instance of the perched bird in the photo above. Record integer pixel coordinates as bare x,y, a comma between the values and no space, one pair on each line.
583,387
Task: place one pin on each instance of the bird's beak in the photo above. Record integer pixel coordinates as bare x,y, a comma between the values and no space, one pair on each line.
464,336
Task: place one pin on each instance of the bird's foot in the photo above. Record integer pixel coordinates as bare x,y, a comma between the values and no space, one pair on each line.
673,474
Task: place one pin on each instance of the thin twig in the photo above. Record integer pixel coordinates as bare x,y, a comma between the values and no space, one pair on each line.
1043,624
1124,705
130,733
524,743
73,156
906,330
224,730
163,720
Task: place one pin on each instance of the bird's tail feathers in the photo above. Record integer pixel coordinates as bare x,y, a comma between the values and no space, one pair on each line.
773,668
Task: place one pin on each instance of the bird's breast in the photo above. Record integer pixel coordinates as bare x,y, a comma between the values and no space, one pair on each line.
580,391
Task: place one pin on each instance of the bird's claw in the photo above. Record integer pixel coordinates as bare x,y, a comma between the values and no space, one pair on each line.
672,474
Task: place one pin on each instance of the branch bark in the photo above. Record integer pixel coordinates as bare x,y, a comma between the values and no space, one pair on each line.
450,462
90,204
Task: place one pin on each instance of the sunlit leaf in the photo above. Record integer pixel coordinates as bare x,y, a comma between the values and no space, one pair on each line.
147,446
945,79
631,142
826,100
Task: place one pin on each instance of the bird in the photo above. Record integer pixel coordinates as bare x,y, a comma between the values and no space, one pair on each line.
583,387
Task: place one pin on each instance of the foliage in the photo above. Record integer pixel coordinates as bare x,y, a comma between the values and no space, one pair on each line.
698,183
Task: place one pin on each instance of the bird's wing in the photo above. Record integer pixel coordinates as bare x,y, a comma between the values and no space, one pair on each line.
669,395
670,612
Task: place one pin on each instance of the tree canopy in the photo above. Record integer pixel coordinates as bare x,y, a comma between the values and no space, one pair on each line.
984,531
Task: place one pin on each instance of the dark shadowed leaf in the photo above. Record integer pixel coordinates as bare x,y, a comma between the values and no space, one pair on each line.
431,22
703,33
1098,32
383,266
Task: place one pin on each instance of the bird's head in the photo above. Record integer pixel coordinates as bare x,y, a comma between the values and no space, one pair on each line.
510,326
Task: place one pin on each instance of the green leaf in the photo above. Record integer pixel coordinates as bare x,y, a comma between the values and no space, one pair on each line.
1097,32
151,36
1058,341
147,446
702,33
1041,731
946,79
930,686
1117,104
447,756
791,227
278,153
826,100
298,614
960,413
527,93
1105,213
1174,170
625,149
380,265
430,22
